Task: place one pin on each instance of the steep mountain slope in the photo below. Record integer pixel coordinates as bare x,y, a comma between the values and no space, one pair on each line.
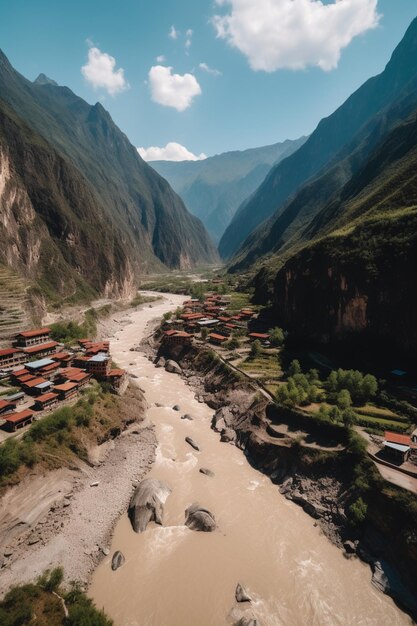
52,230
138,221
213,189
329,138
290,228
359,276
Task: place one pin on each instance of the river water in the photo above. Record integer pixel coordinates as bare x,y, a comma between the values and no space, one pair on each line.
177,577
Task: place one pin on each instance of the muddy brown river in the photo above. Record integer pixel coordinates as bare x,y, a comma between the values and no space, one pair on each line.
177,577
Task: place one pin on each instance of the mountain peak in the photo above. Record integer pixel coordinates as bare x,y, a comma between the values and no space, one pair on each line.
44,80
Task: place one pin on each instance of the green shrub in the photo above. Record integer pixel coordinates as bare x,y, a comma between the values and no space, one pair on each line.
276,336
358,511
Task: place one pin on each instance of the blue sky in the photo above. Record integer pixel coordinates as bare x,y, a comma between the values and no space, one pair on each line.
270,85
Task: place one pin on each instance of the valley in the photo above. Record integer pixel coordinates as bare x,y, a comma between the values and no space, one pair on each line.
208,372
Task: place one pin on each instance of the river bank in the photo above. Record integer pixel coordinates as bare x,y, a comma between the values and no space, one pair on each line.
308,469
173,576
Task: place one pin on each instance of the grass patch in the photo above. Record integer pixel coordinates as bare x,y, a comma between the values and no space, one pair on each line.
66,434
37,603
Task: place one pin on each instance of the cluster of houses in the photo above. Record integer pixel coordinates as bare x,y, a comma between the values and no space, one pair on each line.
211,314
46,374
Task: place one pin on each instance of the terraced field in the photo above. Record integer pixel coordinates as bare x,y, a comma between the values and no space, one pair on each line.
14,307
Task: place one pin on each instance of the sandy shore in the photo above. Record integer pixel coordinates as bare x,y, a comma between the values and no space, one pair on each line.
59,518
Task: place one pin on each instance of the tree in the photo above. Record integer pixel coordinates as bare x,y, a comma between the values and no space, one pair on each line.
204,334
255,349
313,376
332,383
313,393
167,315
233,343
349,418
344,401
276,336
369,387
295,368
335,414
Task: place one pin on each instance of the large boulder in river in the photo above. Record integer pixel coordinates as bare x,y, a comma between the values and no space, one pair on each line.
117,560
248,621
160,362
241,594
173,367
199,518
147,503
192,443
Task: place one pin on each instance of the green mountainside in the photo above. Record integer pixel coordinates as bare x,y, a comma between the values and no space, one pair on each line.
331,137
212,189
80,199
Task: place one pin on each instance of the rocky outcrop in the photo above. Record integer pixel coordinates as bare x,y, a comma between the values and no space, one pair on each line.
241,594
173,367
147,504
117,560
200,519
228,435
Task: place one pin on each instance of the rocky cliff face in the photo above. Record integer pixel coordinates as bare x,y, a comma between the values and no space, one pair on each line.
362,284
51,228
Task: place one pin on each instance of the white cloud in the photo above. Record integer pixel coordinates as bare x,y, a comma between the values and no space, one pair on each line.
188,35
160,59
173,32
100,72
209,70
173,151
173,90
294,34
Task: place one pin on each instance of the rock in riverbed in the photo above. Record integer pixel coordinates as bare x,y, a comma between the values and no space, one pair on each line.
207,472
241,594
173,367
247,621
147,503
117,560
176,407
192,443
200,519
187,416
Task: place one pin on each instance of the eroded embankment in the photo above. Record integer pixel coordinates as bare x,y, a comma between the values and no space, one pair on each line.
321,467
65,515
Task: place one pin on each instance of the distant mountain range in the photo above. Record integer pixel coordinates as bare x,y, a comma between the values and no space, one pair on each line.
213,189
338,255
81,211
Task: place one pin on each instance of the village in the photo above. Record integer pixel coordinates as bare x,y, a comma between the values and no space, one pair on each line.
37,374
232,331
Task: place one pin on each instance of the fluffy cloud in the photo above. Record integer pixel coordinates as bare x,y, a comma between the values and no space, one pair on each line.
100,71
209,70
294,34
160,59
173,151
173,33
173,90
